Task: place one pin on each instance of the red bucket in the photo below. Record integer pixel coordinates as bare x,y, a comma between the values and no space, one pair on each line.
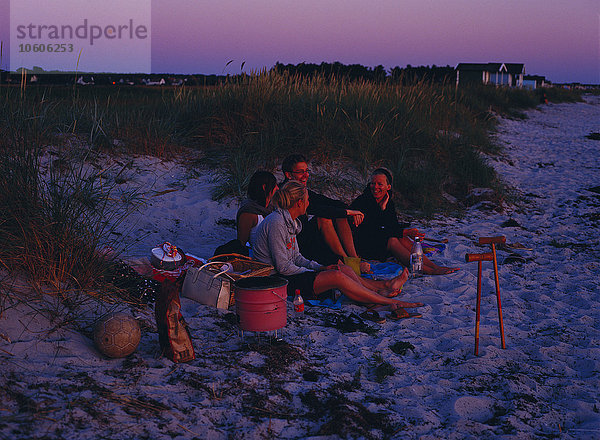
261,303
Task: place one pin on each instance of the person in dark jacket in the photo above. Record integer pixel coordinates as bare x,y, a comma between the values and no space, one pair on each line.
380,236
326,234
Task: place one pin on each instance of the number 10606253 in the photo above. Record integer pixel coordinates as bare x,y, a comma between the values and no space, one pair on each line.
48,47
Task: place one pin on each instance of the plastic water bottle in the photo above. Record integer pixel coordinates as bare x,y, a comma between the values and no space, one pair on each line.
298,304
416,258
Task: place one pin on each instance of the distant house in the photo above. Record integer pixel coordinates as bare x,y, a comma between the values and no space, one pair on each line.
82,82
149,82
499,74
534,81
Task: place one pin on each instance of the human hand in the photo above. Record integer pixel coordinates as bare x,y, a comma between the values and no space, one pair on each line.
383,203
331,267
357,216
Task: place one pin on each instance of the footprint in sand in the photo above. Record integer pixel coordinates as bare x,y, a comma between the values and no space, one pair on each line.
585,368
479,409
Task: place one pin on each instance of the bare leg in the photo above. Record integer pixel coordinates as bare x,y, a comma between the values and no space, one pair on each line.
401,247
388,288
337,279
345,236
344,232
330,236
395,284
374,285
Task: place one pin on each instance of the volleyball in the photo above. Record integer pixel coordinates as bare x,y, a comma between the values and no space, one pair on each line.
117,335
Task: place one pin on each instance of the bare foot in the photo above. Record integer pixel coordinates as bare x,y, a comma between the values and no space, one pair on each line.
395,284
390,293
365,267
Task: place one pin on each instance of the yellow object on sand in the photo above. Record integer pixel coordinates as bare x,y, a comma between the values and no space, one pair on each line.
354,263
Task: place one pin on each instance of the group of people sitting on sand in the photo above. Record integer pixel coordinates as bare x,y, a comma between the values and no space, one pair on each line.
306,236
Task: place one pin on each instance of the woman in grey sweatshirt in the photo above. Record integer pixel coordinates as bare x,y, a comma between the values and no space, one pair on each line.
274,242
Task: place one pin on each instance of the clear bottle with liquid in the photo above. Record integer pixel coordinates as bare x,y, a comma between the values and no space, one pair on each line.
416,258
298,304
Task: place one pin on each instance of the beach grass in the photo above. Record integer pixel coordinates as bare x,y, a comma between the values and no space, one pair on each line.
59,211
430,135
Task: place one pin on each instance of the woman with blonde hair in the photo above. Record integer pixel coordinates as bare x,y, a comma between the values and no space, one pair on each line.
274,242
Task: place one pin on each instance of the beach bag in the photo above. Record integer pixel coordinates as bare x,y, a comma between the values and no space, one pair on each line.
209,285
173,333
233,246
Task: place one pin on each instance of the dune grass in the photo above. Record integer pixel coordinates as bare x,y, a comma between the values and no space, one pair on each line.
55,214
430,135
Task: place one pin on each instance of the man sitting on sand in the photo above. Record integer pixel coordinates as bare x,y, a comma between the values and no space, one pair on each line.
326,235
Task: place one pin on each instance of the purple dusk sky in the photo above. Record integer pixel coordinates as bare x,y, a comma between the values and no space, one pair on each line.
558,39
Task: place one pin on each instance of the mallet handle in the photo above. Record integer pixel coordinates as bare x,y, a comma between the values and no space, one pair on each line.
487,256
492,240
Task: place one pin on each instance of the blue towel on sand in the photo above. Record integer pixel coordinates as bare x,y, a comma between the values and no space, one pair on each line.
384,271
390,269
327,302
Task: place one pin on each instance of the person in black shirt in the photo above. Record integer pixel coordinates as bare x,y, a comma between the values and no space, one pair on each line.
380,236
326,235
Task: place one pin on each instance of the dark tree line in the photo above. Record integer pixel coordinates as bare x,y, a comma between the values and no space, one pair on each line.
410,74
337,69
405,75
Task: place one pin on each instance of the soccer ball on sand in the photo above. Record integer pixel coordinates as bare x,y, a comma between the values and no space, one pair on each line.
117,335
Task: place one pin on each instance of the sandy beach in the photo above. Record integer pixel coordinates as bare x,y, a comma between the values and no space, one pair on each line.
330,376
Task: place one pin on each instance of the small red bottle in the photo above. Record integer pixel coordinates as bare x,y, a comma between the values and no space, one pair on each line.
298,304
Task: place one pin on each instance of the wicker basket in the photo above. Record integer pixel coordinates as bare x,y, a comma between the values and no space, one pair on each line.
243,266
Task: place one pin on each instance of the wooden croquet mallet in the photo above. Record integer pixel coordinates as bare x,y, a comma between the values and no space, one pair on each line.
487,256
